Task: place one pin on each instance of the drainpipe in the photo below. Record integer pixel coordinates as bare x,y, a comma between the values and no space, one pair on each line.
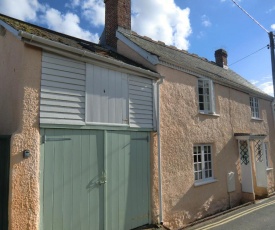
160,81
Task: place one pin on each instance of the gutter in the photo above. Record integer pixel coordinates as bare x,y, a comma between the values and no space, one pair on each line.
41,42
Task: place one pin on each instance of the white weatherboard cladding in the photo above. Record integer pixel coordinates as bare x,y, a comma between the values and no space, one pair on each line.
62,90
140,102
77,93
107,94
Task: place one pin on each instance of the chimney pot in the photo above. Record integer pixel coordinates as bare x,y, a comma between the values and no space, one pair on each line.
221,58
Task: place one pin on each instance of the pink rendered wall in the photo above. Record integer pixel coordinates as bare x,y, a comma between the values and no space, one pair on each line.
20,68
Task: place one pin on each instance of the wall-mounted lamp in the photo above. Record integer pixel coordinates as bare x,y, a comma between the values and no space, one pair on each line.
26,154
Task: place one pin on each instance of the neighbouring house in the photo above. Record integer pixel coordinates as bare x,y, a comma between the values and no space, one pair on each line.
76,125
217,136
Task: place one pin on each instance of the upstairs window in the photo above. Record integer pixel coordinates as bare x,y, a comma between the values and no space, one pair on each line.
203,163
254,105
206,96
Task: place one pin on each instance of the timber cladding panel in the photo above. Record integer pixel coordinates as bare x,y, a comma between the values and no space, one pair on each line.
141,102
62,90
78,93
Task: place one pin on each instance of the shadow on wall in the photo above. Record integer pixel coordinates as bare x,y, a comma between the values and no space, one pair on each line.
201,201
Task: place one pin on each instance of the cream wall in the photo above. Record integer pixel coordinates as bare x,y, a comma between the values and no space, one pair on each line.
20,67
182,127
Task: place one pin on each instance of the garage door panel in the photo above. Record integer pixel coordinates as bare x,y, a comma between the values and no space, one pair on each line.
127,184
73,164
72,197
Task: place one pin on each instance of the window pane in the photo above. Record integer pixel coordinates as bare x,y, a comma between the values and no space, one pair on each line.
195,149
201,106
195,158
206,174
210,173
195,167
200,175
199,149
196,176
199,158
205,149
205,157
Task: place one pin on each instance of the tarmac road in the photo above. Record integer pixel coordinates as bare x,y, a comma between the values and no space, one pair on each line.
260,215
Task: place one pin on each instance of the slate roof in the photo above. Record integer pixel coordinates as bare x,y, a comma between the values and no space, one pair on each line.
66,40
193,63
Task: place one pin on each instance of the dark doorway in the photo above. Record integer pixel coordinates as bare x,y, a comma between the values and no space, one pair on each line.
4,180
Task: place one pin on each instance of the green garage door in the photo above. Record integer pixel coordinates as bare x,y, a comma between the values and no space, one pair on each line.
93,179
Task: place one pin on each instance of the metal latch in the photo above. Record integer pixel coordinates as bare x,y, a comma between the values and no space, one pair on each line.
45,139
103,179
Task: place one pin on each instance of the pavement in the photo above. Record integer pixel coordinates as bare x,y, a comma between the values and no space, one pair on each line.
219,217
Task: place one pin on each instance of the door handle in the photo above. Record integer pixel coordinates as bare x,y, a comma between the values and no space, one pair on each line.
103,179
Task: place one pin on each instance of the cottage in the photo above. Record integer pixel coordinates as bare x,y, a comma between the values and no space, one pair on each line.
217,136
76,122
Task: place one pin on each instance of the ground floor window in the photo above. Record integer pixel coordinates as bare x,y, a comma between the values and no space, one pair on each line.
203,162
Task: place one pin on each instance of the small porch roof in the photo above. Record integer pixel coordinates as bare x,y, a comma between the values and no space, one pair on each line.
249,136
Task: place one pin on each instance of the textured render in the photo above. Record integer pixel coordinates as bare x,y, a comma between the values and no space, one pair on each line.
20,82
182,127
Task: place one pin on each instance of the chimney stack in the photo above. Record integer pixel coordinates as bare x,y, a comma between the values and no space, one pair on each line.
221,58
117,14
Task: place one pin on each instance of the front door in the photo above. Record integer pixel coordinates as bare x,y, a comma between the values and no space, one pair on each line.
260,164
94,179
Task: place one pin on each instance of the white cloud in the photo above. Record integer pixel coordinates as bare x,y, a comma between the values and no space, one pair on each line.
270,10
205,21
67,23
162,20
265,84
94,11
21,9
273,26
267,87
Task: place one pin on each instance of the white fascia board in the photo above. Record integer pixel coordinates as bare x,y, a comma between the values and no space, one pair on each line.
153,59
84,55
10,29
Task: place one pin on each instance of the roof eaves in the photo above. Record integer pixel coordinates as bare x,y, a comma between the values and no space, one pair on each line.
9,28
219,79
44,43
153,59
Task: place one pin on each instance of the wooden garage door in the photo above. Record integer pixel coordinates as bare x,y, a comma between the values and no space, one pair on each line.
93,179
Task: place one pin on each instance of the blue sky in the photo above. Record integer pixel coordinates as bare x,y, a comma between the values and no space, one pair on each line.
199,26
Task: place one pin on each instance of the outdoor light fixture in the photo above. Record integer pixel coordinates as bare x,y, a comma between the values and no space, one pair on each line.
26,154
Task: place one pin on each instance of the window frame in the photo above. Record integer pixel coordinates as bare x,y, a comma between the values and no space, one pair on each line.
202,171
254,107
206,94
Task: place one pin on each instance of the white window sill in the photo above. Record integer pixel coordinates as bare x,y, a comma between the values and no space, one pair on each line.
269,169
200,183
209,114
256,119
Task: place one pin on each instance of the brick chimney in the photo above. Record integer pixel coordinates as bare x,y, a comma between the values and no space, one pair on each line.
221,58
117,14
